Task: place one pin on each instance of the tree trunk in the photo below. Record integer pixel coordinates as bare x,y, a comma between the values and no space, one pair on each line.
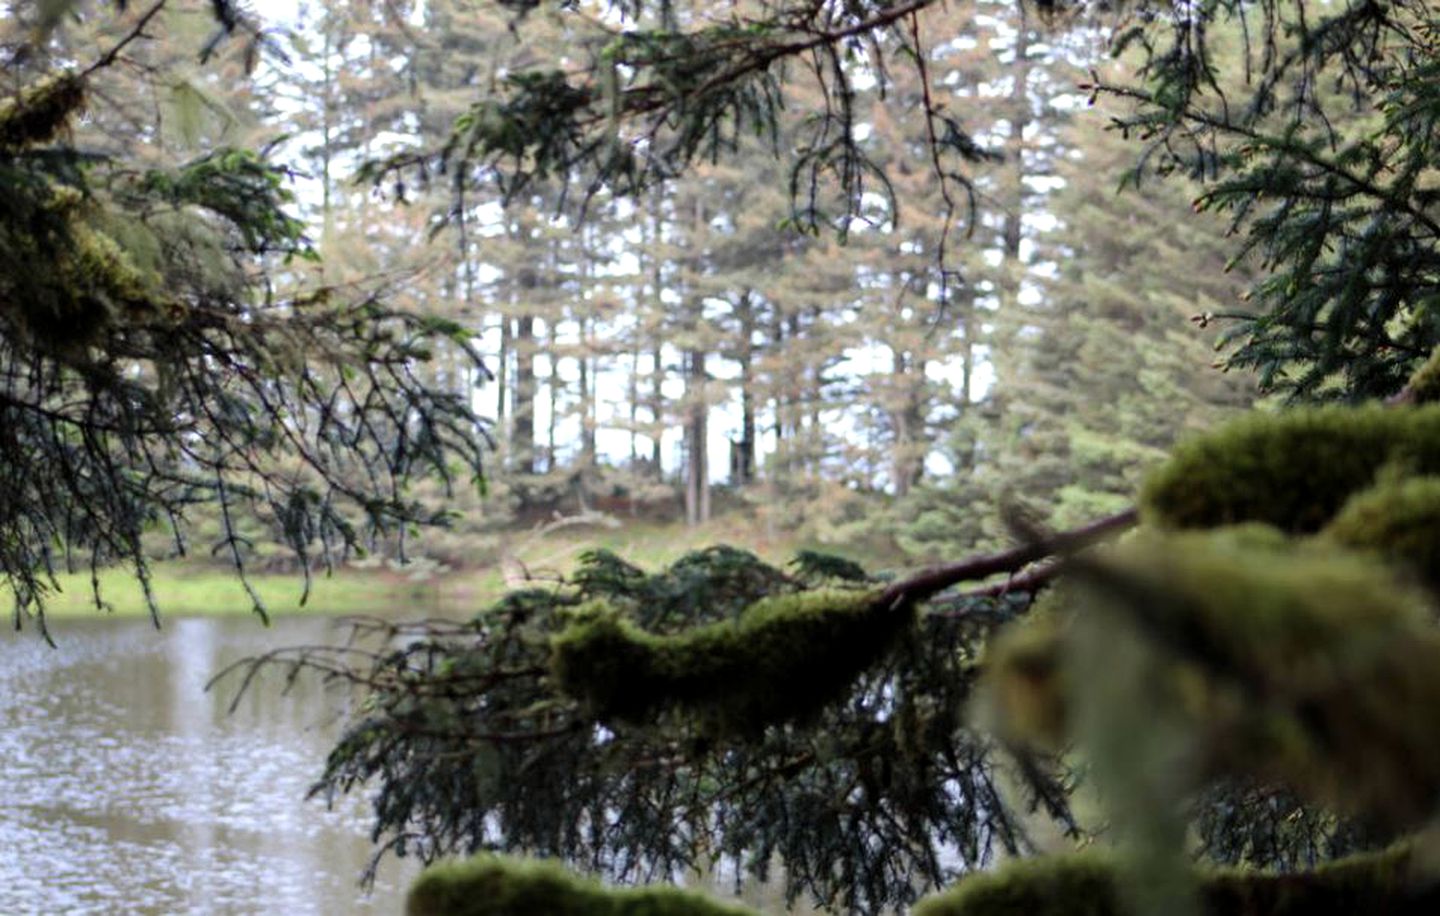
657,412
587,398
745,460
522,438
1014,173
902,459
781,466
633,396
697,483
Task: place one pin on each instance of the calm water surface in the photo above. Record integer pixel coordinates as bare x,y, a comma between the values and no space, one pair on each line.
128,789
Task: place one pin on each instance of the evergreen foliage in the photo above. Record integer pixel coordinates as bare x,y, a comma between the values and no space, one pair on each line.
1326,164
472,743
153,357
783,658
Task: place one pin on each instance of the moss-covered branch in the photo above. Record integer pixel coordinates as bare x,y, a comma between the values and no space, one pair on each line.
1091,884
497,886
931,582
1293,470
1387,883
783,658
1294,662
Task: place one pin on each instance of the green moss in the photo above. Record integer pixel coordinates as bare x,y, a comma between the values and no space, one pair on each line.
1398,519
783,658
100,264
1021,694
1293,470
95,281
40,111
1300,663
496,886
1083,884
1091,884
1424,385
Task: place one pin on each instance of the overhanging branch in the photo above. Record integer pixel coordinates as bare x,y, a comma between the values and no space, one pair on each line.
931,582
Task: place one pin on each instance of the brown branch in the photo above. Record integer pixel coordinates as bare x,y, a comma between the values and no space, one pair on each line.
1025,583
931,582
763,57
138,31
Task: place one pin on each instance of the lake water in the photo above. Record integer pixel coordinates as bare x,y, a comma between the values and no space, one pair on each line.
129,789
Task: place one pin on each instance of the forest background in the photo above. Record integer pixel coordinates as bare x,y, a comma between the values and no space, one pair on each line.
692,357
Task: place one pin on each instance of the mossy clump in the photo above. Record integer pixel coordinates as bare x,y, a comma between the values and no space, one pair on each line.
1022,696
1090,884
1082,884
1293,470
95,284
496,886
1292,661
1424,385
783,658
40,111
1397,519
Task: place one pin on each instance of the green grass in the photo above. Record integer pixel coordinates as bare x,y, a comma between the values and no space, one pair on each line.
529,556
185,591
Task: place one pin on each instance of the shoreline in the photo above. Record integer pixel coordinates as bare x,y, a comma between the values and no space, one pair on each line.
195,591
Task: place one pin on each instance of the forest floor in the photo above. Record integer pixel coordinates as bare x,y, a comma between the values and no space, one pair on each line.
535,555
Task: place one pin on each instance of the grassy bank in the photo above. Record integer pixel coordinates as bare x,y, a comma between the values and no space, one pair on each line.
184,591
538,555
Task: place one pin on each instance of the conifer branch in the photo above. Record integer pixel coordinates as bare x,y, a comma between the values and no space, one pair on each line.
931,582
136,32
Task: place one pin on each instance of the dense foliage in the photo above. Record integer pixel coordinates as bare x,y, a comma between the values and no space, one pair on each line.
1348,242
495,712
155,355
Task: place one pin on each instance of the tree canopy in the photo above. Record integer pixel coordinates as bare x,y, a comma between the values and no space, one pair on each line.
157,351
1326,110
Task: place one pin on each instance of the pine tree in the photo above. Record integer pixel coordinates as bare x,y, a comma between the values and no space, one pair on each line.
154,353
1108,368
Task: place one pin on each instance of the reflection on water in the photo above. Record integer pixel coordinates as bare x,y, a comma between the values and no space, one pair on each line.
129,789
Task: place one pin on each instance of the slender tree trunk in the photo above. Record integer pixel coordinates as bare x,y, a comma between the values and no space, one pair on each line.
967,369
657,410
657,364
552,445
522,398
697,474
697,483
902,455
782,445
587,398
327,117
502,377
745,470
1014,173
632,395
522,439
